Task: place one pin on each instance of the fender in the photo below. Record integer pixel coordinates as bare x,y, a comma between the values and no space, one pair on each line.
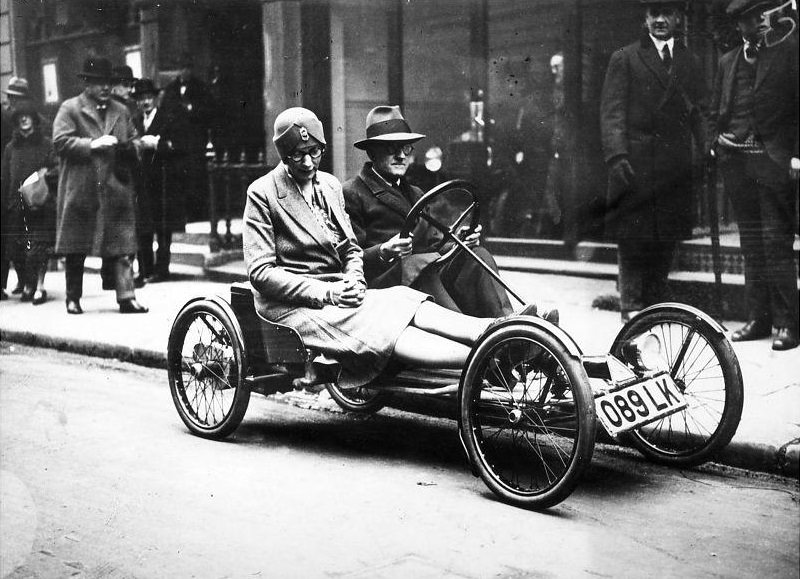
701,316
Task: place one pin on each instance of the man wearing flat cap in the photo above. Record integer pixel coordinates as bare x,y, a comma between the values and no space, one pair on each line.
97,146
378,200
754,135
653,103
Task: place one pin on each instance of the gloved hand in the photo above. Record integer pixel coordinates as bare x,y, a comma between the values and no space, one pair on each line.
622,172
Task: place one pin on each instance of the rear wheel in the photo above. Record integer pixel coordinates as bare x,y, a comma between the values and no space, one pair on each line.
527,416
703,364
206,366
358,399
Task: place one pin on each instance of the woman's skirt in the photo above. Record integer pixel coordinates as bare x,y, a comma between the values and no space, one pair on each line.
361,339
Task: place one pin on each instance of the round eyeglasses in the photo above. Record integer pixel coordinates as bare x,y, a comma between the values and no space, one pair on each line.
313,152
397,149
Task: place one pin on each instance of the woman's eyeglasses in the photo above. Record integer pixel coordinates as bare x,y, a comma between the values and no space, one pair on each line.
314,153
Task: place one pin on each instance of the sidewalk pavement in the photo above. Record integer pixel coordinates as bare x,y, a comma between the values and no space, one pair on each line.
768,437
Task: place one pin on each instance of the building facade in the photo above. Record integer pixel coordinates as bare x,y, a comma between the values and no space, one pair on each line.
479,77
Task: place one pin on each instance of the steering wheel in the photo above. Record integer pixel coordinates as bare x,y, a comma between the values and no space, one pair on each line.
452,211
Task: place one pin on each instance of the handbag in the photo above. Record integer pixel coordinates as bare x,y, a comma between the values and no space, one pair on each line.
34,190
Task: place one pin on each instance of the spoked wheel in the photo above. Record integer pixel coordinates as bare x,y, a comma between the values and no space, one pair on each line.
206,365
358,399
527,416
704,366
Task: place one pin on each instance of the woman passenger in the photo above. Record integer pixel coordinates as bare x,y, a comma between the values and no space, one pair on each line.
306,267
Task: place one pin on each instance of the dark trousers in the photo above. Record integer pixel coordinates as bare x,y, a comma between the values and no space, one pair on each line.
158,262
644,266
464,286
763,201
120,268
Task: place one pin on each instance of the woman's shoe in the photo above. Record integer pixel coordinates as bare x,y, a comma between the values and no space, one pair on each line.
74,307
39,297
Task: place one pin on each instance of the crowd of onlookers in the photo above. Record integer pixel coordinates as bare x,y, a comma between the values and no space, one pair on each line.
121,166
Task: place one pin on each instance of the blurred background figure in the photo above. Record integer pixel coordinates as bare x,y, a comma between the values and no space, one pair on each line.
429,173
28,231
159,203
95,140
123,86
190,97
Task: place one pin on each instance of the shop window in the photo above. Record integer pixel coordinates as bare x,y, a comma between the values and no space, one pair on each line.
50,80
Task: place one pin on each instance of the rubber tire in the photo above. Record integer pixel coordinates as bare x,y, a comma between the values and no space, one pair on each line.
233,417
583,446
734,389
374,401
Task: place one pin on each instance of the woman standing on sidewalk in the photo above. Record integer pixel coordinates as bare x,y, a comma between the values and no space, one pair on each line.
30,232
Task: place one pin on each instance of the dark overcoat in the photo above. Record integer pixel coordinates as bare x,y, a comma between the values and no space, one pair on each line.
377,211
160,196
775,98
649,115
96,197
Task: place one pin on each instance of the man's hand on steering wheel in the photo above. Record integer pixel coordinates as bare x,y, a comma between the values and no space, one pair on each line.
395,247
474,238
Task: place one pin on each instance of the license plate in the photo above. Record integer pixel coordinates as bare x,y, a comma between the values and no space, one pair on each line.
639,403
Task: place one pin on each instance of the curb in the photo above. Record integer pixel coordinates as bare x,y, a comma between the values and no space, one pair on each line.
783,460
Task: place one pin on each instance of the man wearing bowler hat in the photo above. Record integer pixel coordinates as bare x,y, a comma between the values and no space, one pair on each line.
378,200
97,144
754,132
653,102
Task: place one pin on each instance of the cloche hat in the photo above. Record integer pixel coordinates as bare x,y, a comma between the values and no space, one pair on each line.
294,126
386,124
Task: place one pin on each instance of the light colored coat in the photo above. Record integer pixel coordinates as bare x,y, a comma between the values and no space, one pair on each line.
96,197
289,257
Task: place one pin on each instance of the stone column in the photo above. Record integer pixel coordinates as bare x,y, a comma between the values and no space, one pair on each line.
148,40
282,64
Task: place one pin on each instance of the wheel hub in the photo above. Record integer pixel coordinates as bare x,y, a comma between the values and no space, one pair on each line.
515,416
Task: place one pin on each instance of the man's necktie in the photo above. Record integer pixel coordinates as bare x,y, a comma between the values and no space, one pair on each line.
666,57
750,51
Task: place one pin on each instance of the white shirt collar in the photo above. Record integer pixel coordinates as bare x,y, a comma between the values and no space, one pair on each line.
148,118
660,44
382,178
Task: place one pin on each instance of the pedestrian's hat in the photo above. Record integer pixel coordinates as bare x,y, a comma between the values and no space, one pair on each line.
739,8
123,75
96,68
143,87
385,124
295,126
25,108
17,86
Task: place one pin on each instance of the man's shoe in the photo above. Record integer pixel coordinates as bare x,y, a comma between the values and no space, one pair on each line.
39,297
158,277
3,295
17,290
26,296
785,340
139,281
752,330
551,316
132,307
74,307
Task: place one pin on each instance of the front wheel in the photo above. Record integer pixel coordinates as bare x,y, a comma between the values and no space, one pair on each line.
527,416
703,364
206,367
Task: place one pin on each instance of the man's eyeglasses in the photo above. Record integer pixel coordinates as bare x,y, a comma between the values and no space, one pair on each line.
313,152
396,149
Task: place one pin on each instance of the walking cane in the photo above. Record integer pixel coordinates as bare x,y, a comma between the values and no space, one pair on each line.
713,217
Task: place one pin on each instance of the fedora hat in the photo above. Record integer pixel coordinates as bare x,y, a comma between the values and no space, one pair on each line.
739,8
385,124
96,68
144,86
17,86
123,74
